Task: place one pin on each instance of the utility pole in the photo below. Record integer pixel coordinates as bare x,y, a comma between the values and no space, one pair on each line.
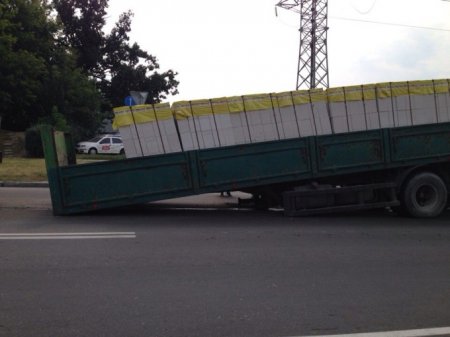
312,70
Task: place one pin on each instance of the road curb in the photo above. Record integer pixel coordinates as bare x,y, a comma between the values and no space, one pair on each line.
23,184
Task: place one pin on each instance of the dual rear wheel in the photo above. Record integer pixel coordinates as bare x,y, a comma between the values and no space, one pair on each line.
424,196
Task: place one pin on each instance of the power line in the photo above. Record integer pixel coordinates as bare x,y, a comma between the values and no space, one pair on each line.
364,12
390,23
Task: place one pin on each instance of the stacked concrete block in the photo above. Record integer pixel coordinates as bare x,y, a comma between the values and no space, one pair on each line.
442,94
385,106
423,104
338,110
401,104
125,123
320,110
189,125
356,116
148,135
306,120
167,128
219,107
261,118
205,124
130,141
285,115
371,106
238,118
186,126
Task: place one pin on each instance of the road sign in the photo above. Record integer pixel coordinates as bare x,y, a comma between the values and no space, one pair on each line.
129,101
139,97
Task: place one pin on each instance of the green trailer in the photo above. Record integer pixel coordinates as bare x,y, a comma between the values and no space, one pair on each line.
406,168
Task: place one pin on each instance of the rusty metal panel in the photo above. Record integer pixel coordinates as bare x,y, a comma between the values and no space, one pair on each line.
420,143
255,164
351,151
124,182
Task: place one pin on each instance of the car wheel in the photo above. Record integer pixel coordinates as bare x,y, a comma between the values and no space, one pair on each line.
425,195
122,151
92,151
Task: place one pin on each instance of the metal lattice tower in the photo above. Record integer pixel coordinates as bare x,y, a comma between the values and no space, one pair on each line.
312,71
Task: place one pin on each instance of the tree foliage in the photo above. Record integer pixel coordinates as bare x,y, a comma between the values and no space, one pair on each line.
83,21
24,36
118,65
58,65
38,74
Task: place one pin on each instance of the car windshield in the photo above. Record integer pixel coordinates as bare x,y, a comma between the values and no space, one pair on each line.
95,139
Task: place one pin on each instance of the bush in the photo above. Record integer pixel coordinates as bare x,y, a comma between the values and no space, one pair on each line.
33,143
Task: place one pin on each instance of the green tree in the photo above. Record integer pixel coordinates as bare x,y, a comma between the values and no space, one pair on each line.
39,78
71,96
24,36
83,22
117,65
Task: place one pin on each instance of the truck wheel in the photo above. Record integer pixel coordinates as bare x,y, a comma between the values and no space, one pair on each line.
425,196
92,151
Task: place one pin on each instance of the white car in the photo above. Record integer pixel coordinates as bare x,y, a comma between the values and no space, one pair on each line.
110,144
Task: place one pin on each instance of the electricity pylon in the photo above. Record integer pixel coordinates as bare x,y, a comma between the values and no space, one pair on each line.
312,71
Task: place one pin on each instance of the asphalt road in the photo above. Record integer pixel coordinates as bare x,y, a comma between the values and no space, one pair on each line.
217,272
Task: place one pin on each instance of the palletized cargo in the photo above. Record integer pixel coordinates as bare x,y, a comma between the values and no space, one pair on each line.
260,118
221,112
371,106
384,105
356,114
285,115
308,123
204,123
442,94
167,127
186,127
238,118
338,110
344,148
319,105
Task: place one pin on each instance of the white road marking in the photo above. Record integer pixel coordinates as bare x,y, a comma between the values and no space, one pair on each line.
67,236
403,333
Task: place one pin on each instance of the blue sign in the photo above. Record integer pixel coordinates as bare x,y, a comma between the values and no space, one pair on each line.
129,101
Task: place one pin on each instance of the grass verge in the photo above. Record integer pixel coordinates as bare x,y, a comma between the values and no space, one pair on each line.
33,169
23,169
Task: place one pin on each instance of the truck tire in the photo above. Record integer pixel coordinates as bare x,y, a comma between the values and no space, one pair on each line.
425,196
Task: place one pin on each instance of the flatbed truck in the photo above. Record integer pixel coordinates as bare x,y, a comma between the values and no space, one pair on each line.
405,168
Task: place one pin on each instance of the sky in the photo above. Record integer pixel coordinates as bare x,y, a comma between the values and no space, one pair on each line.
240,47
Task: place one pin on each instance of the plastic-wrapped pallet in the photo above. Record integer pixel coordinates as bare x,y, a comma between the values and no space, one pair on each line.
261,118
205,124
285,115
371,106
168,129
356,116
320,111
124,122
442,94
222,116
186,127
306,120
385,107
238,119
149,136
338,109
146,137
423,104
400,104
